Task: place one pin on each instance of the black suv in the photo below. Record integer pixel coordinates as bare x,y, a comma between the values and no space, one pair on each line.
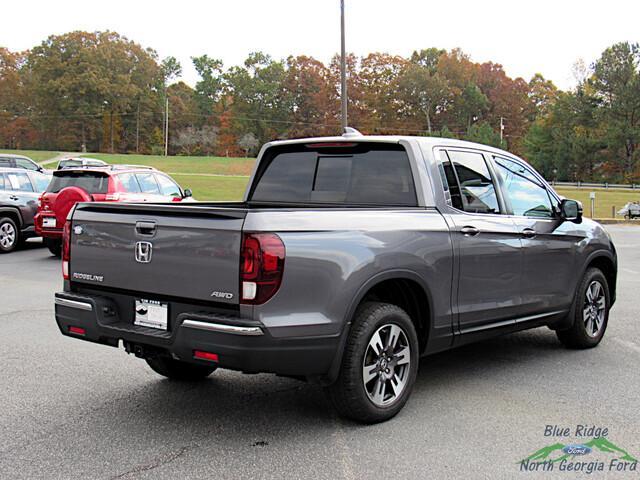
19,193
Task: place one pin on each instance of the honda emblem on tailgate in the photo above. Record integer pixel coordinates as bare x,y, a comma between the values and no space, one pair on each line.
143,252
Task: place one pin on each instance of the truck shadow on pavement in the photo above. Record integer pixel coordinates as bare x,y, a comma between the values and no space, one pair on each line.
254,403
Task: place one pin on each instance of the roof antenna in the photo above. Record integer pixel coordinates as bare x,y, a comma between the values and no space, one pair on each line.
351,132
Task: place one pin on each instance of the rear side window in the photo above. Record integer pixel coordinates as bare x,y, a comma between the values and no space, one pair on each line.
6,162
470,183
147,183
19,182
91,182
355,174
1,181
129,183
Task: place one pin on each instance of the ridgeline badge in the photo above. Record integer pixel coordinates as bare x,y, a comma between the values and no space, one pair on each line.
598,454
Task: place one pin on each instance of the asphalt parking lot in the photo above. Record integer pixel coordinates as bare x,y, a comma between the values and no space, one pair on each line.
70,409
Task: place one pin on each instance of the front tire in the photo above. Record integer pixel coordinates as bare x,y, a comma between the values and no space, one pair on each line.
177,370
591,312
379,365
9,235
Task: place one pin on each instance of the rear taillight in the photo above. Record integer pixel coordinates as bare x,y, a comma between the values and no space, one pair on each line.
66,249
261,268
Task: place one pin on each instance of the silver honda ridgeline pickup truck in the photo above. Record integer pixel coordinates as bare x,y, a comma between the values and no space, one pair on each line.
348,259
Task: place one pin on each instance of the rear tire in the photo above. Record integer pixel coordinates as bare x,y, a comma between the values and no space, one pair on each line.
54,246
177,370
591,312
379,365
9,235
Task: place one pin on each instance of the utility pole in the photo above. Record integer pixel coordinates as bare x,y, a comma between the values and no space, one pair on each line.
343,69
166,125
138,128
501,129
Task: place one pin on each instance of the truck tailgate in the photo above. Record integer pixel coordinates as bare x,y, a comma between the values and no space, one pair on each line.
170,250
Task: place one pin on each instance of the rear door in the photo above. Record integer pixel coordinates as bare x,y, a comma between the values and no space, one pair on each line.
21,193
487,242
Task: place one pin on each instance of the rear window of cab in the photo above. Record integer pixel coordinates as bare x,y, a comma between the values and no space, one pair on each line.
336,174
91,182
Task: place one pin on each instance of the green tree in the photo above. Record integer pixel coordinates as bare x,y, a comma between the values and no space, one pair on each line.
616,83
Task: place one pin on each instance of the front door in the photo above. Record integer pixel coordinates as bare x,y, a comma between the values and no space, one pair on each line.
549,245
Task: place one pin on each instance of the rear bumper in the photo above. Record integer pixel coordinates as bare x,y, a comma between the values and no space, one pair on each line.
240,344
46,232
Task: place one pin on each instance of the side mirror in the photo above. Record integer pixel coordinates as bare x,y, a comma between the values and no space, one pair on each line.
188,193
571,211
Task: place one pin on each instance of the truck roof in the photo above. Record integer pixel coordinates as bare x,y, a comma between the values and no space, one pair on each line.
355,136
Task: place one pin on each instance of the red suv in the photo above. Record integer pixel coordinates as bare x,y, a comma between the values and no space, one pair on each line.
111,183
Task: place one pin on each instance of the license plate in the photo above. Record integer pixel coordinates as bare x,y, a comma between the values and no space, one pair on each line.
151,313
49,222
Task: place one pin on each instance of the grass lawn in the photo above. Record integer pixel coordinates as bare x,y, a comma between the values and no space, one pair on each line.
37,155
178,164
605,199
213,188
232,188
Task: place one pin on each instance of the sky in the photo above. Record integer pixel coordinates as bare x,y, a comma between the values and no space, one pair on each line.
525,37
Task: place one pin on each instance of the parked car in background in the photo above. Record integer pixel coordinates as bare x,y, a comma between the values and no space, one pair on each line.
72,162
349,259
19,193
630,210
8,160
110,183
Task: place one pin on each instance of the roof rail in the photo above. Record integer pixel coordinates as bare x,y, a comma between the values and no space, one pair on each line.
351,132
126,167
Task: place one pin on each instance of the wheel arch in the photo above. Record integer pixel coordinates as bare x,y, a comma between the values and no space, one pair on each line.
12,213
605,262
413,295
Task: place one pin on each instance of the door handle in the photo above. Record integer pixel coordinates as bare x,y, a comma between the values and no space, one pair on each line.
528,233
469,231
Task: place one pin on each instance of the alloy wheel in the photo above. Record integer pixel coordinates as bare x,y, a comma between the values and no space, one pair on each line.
386,365
7,235
594,308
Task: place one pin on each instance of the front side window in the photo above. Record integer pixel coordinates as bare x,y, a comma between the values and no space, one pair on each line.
168,187
26,164
528,197
470,184
148,183
19,182
41,181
